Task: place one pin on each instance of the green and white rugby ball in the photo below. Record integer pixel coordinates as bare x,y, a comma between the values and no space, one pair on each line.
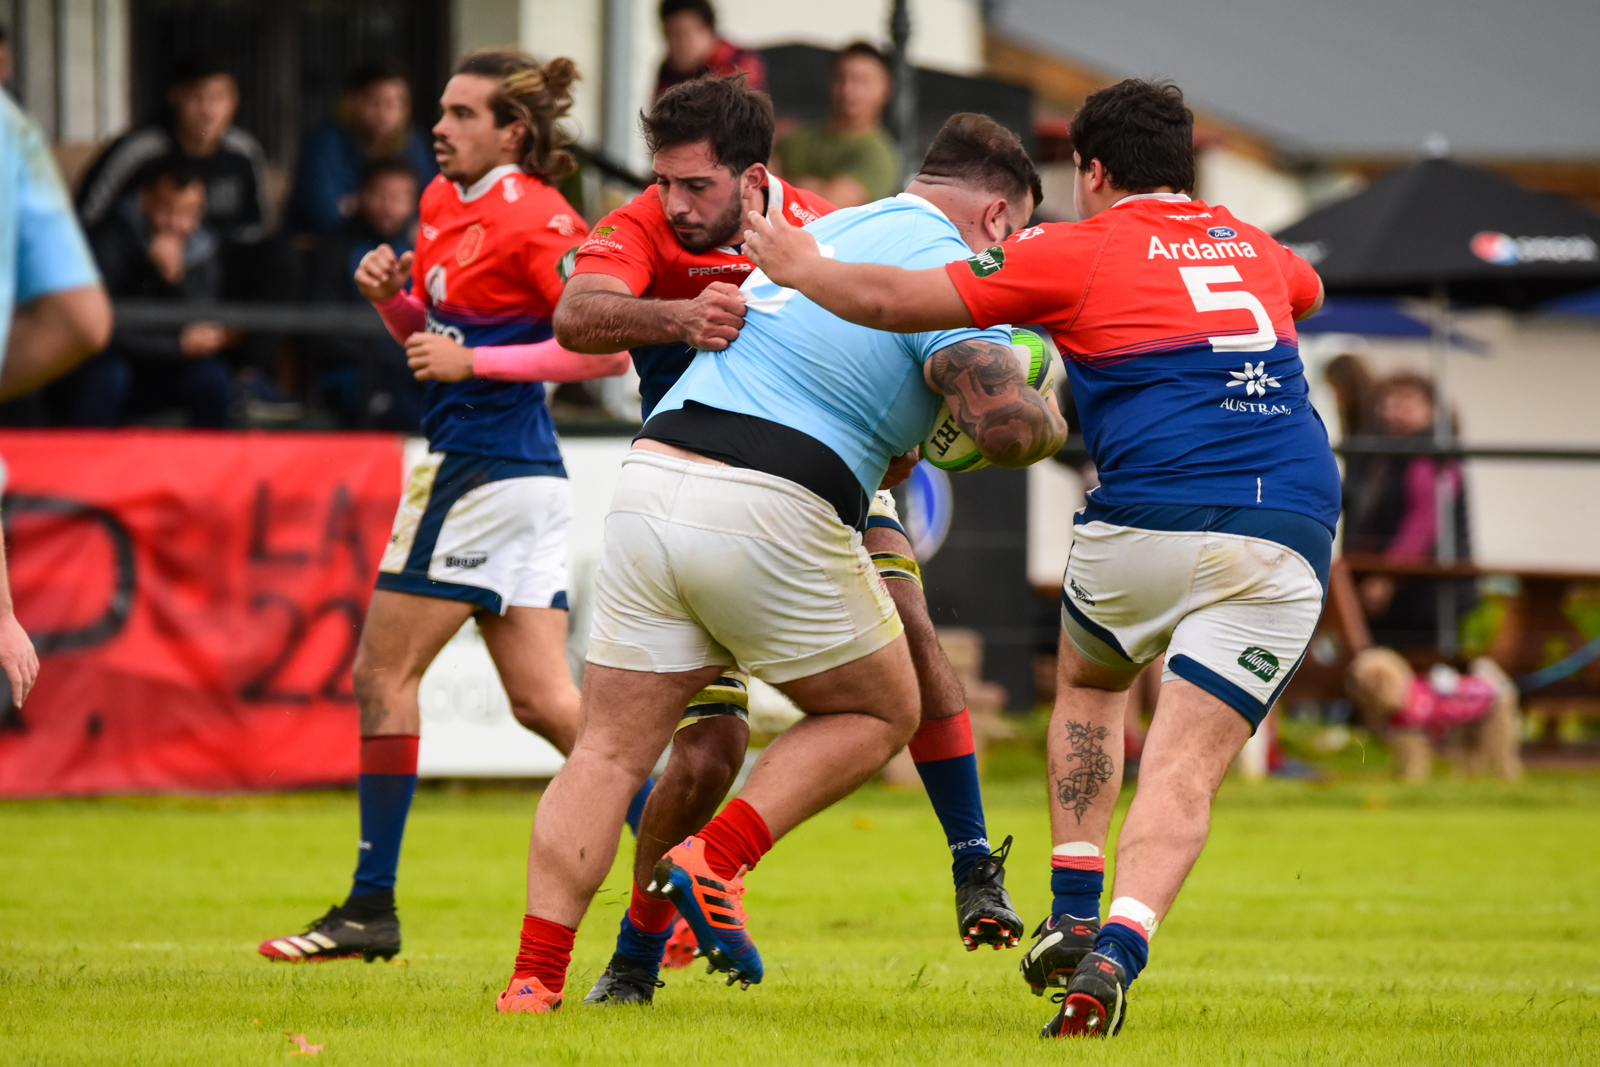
948,447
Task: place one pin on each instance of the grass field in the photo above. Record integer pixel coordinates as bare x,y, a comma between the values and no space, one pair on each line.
1358,923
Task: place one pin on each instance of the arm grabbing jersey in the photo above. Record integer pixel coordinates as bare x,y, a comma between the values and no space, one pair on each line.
1177,324
487,268
636,245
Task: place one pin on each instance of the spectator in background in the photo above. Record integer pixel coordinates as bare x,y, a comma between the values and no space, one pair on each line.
156,247
7,64
695,50
1355,390
373,122
1394,513
353,367
848,160
202,98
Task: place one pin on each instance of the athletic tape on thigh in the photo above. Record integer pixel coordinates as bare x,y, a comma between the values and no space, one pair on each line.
894,565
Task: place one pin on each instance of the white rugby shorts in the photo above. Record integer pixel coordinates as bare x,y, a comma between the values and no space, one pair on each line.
1231,595
707,564
491,532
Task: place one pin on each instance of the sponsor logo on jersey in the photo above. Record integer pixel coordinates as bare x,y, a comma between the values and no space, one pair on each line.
1259,662
471,244
1079,592
988,261
1192,249
433,325
1507,251
563,224
1222,233
429,232
799,211
1029,234
438,288
1256,380
466,560
510,189
720,268
1253,408
1186,218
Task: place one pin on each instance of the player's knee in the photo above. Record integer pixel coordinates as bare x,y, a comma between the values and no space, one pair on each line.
710,755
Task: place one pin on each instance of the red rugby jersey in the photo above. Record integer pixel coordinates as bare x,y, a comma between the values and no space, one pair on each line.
486,267
637,245
1177,323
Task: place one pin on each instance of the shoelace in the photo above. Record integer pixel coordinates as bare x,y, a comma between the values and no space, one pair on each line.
317,924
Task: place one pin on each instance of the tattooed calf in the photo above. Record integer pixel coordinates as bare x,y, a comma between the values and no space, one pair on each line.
1077,789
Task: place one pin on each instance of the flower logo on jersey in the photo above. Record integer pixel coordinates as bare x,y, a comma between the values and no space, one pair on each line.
471,244
988,261
1256,380
1222,233
435,284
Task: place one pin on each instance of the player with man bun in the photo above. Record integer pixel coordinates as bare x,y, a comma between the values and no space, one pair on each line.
482,527
1210,534
660,275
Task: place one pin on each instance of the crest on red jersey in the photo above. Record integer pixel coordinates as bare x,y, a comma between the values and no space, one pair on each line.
471,244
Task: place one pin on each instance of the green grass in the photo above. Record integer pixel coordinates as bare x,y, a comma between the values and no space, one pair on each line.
1357,923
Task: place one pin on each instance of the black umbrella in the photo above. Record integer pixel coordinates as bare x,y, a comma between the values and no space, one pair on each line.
1438,228
1452,233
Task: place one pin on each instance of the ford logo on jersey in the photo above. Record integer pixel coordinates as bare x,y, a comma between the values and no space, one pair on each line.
1222,233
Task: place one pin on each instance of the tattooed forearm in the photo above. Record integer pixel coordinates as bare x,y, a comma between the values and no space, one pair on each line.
1011,424
1090,766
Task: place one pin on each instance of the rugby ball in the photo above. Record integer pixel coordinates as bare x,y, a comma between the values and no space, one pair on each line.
947,445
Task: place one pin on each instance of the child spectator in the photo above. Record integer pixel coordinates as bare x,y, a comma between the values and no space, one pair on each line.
156,247
850,159
694,49
202,97
373,122
385,203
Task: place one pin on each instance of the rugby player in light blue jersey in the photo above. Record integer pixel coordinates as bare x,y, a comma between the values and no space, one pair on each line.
53,311
734,538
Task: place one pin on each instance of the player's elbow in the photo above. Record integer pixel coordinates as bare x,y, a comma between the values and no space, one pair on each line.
86,315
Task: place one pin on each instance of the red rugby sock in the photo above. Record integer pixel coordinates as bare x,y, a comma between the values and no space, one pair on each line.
649,914
546,950
736,838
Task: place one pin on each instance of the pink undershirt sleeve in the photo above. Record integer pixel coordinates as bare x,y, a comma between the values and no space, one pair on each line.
403,314
545,361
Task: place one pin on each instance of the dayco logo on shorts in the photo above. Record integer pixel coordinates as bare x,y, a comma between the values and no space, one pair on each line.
1259,662
469,560
988,261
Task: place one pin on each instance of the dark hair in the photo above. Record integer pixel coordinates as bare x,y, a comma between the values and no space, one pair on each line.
735,118
538,97
383,167
373,72
175,169
1141,131
191,69
702,8
862,48
977,150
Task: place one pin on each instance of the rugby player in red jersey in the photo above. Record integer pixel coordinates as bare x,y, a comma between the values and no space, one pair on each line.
660,276
1210,534
482,527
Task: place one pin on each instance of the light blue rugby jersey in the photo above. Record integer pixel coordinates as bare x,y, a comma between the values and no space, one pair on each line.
42,250
858,391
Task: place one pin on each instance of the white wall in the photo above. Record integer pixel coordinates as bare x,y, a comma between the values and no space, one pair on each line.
1538,385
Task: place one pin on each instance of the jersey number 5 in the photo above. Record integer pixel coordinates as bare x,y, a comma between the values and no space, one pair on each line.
1199,281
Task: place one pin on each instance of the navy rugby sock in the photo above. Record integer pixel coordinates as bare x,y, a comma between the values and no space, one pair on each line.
636,805
943,752
1125,943
388,781
1077,880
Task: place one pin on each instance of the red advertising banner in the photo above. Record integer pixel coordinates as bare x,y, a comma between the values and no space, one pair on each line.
195,599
